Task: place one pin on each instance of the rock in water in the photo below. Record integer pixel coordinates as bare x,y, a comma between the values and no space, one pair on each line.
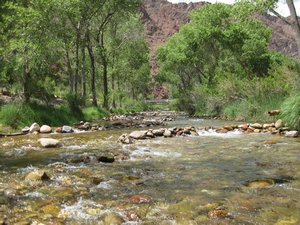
34,127
138,134
37,175
278,124
112,218
49,142
67,129
167,133
106,158
138,199
25,129
293,133
45,129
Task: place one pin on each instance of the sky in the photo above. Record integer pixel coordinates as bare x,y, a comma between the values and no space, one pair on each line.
282,7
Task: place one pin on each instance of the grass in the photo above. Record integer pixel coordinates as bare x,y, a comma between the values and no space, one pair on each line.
291,111
254,109
18,115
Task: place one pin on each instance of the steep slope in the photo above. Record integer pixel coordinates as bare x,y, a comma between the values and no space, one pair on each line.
162,19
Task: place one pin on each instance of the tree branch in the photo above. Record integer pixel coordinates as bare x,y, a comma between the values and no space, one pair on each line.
281,17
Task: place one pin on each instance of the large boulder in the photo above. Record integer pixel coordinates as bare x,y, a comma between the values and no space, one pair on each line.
49,142
142,134
45,129
34,128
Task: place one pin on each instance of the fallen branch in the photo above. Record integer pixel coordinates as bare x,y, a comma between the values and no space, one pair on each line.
2,135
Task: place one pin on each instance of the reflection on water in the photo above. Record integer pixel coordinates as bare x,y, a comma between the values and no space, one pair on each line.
230,178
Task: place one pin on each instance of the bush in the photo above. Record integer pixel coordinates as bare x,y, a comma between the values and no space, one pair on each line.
291,111
93,113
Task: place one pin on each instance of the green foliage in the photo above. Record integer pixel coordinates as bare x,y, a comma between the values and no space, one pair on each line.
291,111
75,103
93,113
17,115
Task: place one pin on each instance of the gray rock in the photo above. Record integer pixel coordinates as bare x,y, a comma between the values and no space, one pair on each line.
45,129
34,127
67,129
278,124
138,134
293,133
49,142
26,129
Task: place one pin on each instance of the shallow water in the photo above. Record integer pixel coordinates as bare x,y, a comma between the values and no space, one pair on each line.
186,178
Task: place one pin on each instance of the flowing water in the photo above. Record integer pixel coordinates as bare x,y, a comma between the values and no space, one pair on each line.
181,179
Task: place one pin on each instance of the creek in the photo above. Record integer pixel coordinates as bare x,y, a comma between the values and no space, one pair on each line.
231,178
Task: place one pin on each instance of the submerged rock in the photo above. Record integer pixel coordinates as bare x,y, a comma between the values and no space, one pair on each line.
49,142
218,213
138,199
259,183
112,218
131,216
53,210
37,175
45,129
82,158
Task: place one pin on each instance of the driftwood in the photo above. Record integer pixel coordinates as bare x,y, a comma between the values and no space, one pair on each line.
2,135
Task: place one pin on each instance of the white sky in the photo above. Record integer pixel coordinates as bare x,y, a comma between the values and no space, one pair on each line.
282,7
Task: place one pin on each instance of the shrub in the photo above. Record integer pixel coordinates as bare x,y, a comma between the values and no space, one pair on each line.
291,111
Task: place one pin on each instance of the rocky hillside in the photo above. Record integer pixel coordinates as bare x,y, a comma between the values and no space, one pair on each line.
162,19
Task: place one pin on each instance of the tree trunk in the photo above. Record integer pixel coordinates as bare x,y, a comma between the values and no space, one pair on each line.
93,71
70,71
113,89
295,23
26,83
105,85
83,75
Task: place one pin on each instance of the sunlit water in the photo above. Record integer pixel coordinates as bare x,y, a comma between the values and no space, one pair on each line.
186,177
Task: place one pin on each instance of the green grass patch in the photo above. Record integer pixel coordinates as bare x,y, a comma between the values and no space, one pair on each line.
291,111
93,113
17,115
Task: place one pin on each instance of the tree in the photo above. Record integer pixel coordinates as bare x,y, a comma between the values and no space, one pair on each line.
216,41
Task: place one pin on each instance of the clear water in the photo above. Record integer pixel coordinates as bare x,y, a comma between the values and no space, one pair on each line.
186,178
